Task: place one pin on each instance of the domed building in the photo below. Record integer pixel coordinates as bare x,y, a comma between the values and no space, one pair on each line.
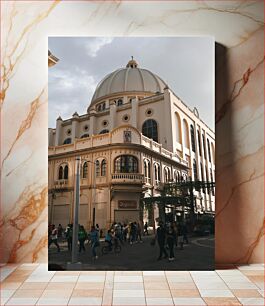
136,136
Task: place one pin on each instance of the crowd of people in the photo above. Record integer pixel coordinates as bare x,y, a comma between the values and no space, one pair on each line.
167,236
170,235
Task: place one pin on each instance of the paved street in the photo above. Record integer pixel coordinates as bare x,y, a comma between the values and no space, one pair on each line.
197,255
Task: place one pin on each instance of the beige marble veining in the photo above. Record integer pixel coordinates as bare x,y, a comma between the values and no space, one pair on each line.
237,25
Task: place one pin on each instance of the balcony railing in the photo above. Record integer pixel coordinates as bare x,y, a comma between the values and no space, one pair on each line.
132,178
61,183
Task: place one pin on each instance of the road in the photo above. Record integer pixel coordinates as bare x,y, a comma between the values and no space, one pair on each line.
197,255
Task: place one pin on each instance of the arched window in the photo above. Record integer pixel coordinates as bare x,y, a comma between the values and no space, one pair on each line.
145,169
186,142
65,173
175,176
67,141
207,179
85,135
158,173
149,129
104,132
119,102
126,164
103,106
178,177
209,150
99,108
202,178
97,168
60,173
149,169
199,143
166,175
103,167
85,168
192,138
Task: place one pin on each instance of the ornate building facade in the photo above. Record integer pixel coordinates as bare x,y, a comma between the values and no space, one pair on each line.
136,135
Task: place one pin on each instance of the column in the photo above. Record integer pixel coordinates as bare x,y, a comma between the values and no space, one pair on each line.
58,131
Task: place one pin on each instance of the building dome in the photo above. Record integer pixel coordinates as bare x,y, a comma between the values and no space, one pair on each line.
129,79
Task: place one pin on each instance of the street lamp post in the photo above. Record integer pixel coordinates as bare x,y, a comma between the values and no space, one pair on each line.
74,263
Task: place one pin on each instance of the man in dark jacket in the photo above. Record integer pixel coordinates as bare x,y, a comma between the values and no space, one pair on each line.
161,239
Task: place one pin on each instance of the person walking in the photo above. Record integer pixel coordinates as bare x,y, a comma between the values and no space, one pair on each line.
108,239
139,233
180,236
171,239
94,238
161,239
82,236
69,236
54,237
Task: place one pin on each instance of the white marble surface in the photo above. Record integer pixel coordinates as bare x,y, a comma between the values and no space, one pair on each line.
238,25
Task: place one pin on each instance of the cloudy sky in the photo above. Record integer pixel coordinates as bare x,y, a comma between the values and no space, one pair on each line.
186,64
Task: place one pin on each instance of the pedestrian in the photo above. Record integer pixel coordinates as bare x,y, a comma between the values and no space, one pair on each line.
161,239
94,238
139,233
69,236
146,228
185,233
60,231
180,236
171,239
175,227
82,236
108,239
54,238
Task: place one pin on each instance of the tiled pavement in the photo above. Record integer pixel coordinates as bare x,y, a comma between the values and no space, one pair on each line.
32,284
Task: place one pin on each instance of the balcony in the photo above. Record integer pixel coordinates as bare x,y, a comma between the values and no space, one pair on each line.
127,178
61,184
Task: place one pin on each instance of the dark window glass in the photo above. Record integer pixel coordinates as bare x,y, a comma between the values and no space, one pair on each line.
104,132
119,102
66,172
207,180
61,173
192,138
67,141
85,168
103,167
195,170
150,129
203,143
97,168
103,106
209,150
211,173
158,173
126,164
199,142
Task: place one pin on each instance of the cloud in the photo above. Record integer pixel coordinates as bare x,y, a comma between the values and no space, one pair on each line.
93,46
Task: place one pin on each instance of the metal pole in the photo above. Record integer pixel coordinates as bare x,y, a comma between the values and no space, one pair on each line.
94,196
76,210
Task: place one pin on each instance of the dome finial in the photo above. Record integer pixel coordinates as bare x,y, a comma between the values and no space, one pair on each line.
132,63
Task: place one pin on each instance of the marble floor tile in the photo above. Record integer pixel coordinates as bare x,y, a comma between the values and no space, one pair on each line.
159,301
211,285
153,273
129,286
34,286
253,272
157,293
39,278
28,293
123,301
251,267
156,285
232,272
91,278
60,286
128,279
218,301
188,301
235,278
183,293
128,273
87,293
89,285
241,285
251,301
56,294
22,301
10,285
216,293
53,301
85,301
182,286
64,279
261,293
154,278
241,293
107,297
128,293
